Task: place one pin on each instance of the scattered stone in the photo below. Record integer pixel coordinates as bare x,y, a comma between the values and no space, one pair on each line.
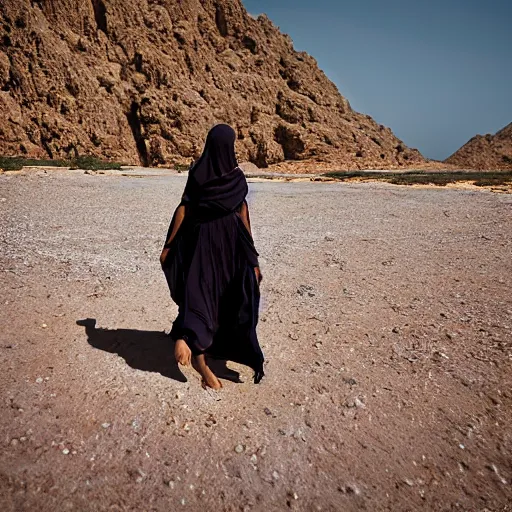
305,289
267,411
39,380
44,326
395,330
356,403
409,482
239,448
254,459
210,421
352,489
14,442
350,382
497,473
65,451
359,404
105,425
329,238
275,475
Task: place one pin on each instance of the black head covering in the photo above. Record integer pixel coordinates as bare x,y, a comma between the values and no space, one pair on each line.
215,181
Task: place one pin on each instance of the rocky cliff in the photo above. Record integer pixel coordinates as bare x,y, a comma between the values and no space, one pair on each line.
486,152
144,80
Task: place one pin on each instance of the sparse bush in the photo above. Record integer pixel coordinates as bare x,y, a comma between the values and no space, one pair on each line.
15,163
481,179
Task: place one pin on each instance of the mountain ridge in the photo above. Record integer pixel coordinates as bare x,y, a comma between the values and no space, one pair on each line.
144,81
486,152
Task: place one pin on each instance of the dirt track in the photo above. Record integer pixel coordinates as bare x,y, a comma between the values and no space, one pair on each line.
386,324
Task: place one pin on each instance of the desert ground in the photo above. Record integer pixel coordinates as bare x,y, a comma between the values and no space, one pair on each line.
386,323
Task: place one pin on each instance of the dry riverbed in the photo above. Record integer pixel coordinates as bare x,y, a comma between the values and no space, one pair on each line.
386,323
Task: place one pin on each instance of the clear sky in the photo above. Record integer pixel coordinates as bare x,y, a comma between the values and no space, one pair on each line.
437,72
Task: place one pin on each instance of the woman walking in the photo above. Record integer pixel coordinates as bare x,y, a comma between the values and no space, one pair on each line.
211,264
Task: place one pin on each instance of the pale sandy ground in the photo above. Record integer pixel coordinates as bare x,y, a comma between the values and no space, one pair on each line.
386,324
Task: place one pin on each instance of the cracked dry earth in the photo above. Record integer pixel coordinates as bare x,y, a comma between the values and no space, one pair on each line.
386,323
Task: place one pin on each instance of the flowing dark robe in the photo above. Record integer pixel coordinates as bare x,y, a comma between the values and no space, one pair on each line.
211,260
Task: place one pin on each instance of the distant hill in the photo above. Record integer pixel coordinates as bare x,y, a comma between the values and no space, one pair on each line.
144,81
486,151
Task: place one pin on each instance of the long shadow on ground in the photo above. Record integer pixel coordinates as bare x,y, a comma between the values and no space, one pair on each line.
150,351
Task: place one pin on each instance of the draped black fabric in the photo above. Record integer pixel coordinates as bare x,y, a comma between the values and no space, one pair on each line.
215,181
211,260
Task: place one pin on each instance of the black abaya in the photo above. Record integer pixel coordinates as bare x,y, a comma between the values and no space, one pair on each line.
211,260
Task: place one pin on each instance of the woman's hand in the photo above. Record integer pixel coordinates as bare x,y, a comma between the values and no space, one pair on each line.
259,276
163,256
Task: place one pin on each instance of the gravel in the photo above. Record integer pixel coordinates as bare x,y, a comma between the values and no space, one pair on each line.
78,247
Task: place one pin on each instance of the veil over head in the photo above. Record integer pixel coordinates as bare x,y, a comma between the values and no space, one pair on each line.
215,181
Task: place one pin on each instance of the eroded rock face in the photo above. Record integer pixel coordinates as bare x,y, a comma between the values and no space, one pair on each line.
486,152
144,81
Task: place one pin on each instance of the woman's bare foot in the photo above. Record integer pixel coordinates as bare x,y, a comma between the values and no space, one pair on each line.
182,353
209,380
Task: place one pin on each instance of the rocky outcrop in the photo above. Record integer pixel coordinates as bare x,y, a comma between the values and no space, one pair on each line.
486,152
143,81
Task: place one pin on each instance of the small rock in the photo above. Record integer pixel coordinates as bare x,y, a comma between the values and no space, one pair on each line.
14,442
267,411
39,380
275,475
239,448
359,404
304,288
44,326
350,382
105,425
65,451
183,501
329,238
409,482
254,459
352,489
395,330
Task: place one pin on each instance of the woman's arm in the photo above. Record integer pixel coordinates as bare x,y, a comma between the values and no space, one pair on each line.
178,217
246,219
244,215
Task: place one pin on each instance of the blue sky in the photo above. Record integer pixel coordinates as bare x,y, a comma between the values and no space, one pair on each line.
436,72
